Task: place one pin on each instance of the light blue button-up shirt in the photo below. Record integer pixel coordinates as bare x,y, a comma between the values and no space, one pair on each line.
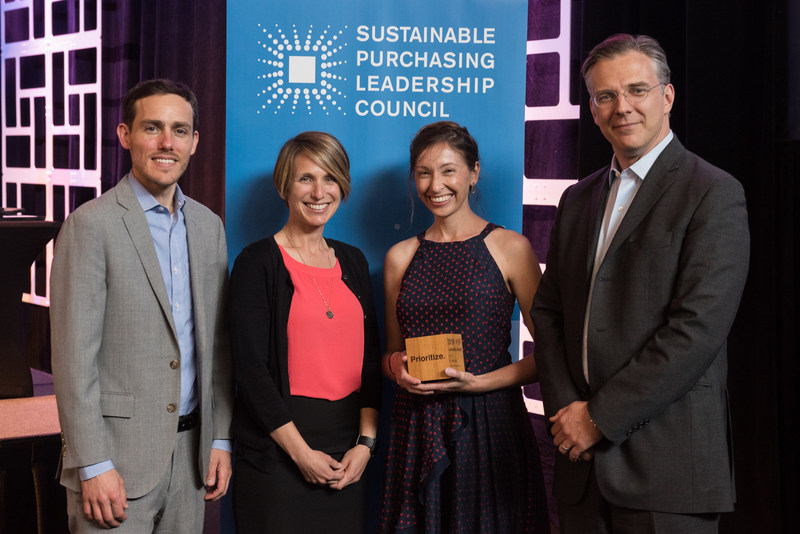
168,231
169,237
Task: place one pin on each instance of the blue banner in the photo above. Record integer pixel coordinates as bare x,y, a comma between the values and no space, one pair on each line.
372,73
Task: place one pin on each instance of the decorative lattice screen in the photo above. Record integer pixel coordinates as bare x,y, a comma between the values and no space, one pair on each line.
51,91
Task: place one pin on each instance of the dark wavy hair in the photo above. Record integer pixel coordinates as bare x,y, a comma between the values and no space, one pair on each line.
157,87
455,135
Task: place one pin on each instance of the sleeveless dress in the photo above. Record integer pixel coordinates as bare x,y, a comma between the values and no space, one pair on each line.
461,463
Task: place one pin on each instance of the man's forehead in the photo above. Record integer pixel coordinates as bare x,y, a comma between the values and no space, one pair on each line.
168,108
629,68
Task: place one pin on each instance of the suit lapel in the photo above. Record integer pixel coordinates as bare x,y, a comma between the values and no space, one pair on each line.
198,254
660,177
597,207
136,224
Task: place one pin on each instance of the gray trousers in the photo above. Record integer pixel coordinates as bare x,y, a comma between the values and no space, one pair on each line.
175,505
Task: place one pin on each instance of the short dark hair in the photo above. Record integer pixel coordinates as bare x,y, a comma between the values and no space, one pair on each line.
320,147
455,135
158,86
622,43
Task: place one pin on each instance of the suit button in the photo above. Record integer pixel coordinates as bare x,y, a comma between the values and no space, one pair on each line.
174,364
170,408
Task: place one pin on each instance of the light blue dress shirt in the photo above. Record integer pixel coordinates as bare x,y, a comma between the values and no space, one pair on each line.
169,237
172,248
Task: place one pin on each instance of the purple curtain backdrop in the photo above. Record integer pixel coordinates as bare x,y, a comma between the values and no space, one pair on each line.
738,106
182,40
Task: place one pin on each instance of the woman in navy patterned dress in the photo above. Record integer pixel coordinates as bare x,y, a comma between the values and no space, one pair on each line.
462,454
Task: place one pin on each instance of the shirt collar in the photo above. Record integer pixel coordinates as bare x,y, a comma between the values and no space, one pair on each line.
643,164
148,201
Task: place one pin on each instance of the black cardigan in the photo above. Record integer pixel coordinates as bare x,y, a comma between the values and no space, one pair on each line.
260,297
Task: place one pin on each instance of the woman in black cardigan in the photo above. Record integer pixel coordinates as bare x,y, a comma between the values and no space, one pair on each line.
306,358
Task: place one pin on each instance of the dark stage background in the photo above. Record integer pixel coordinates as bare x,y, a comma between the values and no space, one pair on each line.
735,67
736,70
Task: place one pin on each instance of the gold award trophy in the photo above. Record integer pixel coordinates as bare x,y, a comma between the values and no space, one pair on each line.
429,356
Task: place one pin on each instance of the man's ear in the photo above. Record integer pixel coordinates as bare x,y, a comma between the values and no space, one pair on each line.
124,135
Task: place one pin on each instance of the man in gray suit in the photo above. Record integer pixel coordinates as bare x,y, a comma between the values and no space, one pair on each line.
647,262
140,351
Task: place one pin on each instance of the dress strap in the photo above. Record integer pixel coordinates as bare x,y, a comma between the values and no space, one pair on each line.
488,229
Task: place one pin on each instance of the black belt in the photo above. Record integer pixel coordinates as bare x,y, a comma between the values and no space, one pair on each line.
189,421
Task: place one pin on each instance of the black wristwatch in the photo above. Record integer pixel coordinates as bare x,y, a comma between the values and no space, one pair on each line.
370,443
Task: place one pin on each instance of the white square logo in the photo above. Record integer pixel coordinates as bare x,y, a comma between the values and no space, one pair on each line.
302,69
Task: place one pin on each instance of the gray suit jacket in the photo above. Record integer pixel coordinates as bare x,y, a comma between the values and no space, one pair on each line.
664,299
114,340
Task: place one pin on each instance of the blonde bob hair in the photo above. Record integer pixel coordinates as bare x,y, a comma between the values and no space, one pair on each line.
320,147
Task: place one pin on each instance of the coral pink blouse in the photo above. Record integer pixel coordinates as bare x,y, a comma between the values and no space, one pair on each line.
325,355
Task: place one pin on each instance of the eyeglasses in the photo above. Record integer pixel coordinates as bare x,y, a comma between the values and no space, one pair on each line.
634,95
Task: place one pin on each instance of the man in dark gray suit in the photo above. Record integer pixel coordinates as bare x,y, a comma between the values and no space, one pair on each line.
647,262
140,350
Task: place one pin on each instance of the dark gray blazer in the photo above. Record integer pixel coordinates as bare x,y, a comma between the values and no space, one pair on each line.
114,340
664,299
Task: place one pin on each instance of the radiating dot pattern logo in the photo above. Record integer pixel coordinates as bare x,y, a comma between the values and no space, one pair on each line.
299,70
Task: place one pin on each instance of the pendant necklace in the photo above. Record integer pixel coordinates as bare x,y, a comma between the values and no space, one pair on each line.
328,311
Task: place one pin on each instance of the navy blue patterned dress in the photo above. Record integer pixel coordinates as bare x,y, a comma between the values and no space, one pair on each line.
461,463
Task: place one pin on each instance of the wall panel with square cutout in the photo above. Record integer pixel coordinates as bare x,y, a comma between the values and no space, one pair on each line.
551,128
50,105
